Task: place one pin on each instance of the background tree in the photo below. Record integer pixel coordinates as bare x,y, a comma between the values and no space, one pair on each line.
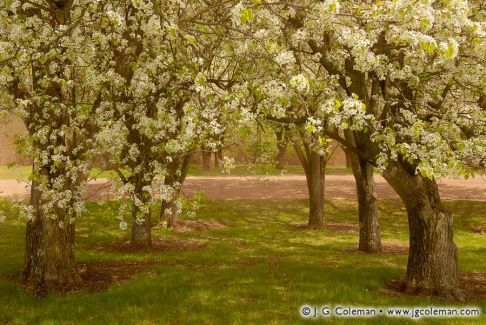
282,142
390,69
163,101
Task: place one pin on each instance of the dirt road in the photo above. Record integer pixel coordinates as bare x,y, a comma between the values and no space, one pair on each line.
275,187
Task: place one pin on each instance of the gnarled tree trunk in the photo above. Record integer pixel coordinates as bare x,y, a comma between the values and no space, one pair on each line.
432,262
369,227
49,261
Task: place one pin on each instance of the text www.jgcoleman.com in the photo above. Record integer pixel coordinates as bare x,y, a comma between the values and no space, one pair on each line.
309,311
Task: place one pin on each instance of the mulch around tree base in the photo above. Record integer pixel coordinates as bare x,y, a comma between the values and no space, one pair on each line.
387,249
96,276
99,275
158,245
472,285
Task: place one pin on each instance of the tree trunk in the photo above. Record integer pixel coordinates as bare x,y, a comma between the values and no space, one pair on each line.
141,229
170,203
170,179
218,157
432,262
314,167
281,147
316,217
348,158
206,159
49,261
369,227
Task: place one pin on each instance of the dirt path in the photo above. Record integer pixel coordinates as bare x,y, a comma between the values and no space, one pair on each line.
275,187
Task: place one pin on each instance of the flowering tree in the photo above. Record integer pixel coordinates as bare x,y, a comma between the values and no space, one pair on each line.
165,99
282,88
405,92
50,75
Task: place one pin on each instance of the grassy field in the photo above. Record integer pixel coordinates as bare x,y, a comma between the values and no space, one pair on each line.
257,270
17,172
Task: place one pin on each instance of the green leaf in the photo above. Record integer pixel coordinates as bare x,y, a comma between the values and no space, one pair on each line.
310,128
338,104
246,16
424,23
416,132
449,53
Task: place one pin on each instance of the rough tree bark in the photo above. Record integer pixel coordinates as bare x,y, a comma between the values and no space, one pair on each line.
282,142
369,227
49,262
314,166
170,179
432,266
141,229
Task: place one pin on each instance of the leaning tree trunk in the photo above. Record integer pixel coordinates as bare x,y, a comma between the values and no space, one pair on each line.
49,251
432,262
369,227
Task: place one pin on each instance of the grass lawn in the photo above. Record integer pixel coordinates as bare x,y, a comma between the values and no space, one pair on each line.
257,270
240,170
17,172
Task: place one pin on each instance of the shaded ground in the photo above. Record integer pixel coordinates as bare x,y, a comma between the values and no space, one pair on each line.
255,270
473,286
158,245
388,249
336,227
190,225
275,187
100,275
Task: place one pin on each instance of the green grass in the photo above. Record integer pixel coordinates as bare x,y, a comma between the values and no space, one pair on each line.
257,270
16,172
240,170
